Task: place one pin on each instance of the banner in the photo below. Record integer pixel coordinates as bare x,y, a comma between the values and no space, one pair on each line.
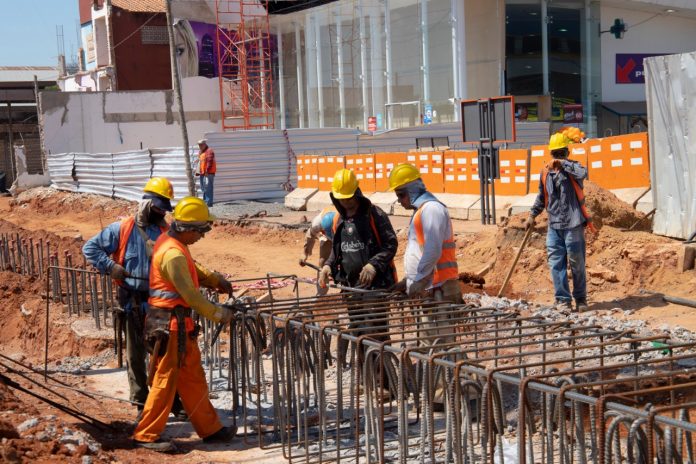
629,67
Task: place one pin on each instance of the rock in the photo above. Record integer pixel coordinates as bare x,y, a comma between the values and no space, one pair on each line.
603,273
43,436
596,281
27,424
7,430
86,459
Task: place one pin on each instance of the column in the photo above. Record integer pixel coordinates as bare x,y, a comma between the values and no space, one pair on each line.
300,85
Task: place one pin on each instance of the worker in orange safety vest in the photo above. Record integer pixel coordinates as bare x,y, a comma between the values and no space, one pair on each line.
175,280
207,167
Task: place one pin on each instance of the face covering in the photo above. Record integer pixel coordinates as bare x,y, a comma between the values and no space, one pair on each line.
154,217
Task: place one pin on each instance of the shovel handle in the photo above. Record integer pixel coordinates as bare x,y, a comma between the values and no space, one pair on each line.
514,263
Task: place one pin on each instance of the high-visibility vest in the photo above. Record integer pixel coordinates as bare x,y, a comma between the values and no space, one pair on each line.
578,193
446,267
124,232
206,162
373,226
163,294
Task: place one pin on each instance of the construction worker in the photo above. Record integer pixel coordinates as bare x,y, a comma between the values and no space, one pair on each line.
123,250
207,167
321,229
560,192
364,245
174,292
430,264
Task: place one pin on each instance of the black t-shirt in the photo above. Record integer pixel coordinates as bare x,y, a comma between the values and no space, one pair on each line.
355,252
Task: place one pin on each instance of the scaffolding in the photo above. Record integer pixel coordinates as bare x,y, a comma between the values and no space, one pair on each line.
244,51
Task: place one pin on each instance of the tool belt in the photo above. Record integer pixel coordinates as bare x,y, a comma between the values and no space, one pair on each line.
157,328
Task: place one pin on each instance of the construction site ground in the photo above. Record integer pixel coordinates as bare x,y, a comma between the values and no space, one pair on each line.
620,265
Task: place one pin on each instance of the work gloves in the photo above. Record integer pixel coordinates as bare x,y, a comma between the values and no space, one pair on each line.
324,275
118,272
367,275
399,287
224,285
417,288
529,223
226,314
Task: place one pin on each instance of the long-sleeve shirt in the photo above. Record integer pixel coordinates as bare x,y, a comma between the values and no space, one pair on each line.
420,262
174,268
563,206
206,162
321,228
98,251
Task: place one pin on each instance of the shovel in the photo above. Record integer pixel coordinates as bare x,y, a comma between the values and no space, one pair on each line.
514,263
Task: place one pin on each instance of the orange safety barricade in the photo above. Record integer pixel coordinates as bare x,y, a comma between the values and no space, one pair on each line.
384,163
431,167
539,157
307,171
622,162
328,165
513,172
461,172
356,163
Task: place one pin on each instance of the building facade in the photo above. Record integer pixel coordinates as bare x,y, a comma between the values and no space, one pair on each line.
385,64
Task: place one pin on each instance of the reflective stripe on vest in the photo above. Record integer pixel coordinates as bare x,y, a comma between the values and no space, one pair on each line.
163,294
446,267
579,194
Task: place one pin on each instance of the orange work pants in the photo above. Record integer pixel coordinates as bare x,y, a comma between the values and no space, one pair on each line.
189,381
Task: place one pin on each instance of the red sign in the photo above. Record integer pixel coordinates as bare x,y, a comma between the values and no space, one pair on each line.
572,113
372,124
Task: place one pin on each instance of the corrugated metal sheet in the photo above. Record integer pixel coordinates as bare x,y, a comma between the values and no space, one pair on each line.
169,163
131,170
60,168
671,97
95,173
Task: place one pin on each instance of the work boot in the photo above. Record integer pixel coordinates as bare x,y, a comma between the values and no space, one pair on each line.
140,414
224,435
178,410
581,305
161,446
564,307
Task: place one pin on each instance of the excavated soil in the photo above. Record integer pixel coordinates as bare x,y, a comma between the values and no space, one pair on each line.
619,264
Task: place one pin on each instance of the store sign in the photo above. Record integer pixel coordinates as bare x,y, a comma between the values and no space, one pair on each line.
428,116
629,67
372,124
572,113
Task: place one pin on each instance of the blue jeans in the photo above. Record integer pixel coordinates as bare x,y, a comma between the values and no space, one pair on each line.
563,246
207,188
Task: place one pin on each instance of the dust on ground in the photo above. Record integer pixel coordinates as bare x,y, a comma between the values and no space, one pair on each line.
619,265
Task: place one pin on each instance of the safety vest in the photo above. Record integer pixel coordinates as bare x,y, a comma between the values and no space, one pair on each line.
578,193
373,226
206,162
446,267
163,294
124,232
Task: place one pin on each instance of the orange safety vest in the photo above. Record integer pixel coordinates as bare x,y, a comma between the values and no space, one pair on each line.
206,162
446,267
163,294
578,193
124,233
337,220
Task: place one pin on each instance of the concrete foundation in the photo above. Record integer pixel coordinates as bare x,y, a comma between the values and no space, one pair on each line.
459,206
319,201
297,199
523,204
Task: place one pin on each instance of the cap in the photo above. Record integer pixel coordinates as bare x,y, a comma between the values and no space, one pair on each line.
201,141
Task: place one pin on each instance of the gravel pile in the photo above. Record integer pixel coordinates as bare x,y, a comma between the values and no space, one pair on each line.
248,209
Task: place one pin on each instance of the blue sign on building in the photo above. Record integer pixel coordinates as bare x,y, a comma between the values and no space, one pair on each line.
428,114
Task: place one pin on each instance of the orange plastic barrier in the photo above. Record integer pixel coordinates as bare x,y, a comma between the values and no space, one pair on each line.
513,172
621,162
364,168
384,163
461,172
328,165
307,171
431,166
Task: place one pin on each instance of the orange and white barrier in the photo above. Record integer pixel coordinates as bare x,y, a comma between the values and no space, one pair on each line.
307,171
431,166
620,162
513,172
384,163
327,167
461,172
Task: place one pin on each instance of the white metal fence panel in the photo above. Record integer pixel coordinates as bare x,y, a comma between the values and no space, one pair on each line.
94,173
131,171
60,167
671,98
169,163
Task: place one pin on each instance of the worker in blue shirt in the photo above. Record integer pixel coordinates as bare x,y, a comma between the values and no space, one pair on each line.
123,250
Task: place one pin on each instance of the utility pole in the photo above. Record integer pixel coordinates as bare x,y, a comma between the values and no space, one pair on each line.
176,87
39,121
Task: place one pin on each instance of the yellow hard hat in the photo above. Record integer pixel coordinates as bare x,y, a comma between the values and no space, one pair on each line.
402,175
192,209
344,184
558,141
160,186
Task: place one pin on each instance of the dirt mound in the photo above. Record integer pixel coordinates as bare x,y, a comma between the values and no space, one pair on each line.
605,207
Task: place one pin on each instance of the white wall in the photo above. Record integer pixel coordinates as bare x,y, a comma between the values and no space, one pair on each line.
99,122
663,34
